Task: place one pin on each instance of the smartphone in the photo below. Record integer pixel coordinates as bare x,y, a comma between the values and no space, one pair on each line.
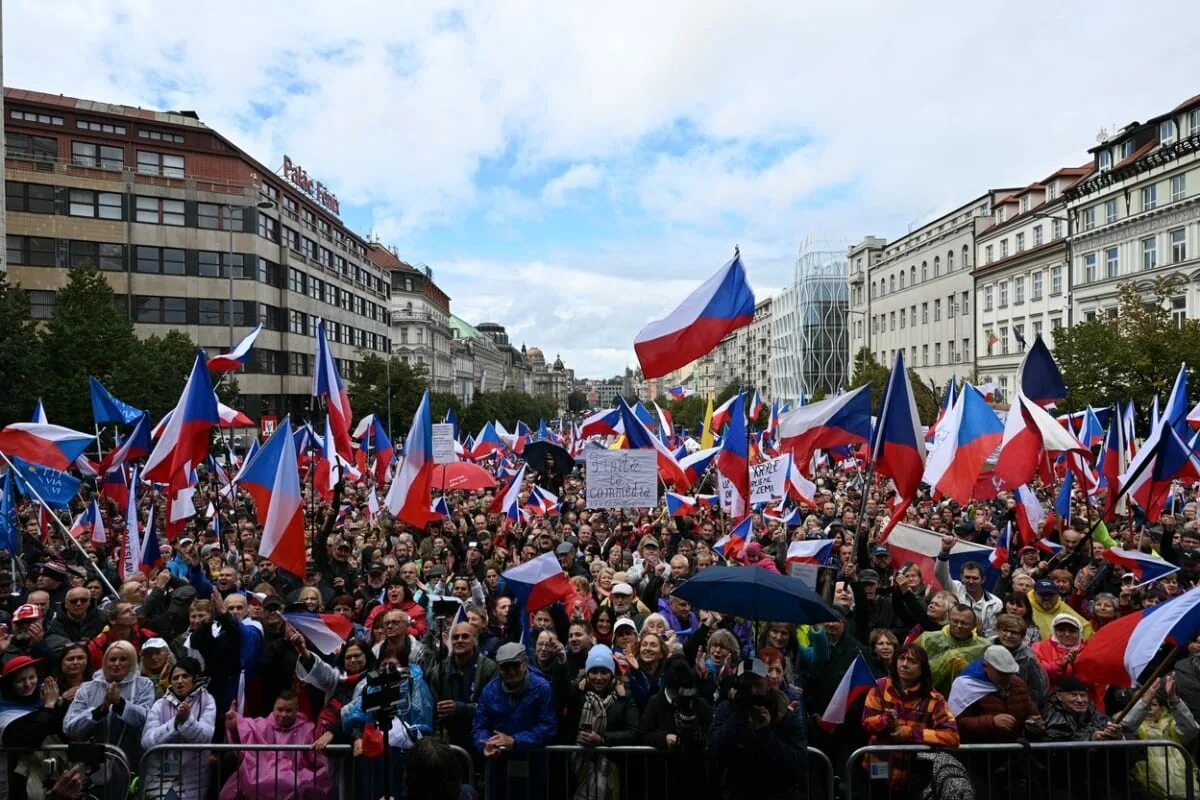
585,727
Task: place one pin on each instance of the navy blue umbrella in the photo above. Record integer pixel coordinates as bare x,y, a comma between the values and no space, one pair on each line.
753,593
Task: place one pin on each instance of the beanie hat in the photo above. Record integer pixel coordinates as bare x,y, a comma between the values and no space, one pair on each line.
600,657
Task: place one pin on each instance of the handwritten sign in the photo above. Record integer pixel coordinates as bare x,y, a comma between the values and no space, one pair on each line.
443,443
622,479
768,479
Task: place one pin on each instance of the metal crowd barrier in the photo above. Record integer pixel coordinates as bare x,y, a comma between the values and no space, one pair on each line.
625,773
1104,770
106,771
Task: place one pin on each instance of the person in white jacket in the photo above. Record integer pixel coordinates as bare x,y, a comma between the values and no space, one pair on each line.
111,708
187,713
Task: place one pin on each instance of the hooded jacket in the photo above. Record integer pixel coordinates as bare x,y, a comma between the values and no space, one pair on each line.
188,775
1044,620
121,727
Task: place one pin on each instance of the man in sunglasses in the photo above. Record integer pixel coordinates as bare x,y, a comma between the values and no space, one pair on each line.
457,683
78,622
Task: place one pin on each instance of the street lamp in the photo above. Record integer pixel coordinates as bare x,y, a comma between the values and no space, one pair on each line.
229,209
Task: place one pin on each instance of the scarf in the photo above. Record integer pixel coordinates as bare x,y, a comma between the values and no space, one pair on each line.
595,711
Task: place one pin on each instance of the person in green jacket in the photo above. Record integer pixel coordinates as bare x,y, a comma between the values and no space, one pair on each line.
952,648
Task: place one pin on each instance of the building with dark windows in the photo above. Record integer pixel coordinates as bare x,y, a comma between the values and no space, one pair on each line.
421,332
193,234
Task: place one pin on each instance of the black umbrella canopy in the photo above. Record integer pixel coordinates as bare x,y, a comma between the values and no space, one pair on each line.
537,453
754,593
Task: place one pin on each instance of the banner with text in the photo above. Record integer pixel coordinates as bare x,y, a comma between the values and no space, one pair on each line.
622,479
768,480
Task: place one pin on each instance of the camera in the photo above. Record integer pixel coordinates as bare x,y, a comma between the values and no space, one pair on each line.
388,691
687,721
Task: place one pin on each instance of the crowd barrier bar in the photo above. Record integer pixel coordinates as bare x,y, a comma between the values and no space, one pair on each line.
1032,769
563,770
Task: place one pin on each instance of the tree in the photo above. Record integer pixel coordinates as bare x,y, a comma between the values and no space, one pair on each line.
369,389
577,402
1132,356
88,335
153,375
686,413
506,407
20,357
869,371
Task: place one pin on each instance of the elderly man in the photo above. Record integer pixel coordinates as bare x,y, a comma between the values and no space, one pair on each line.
395,634
1047,604
458,682
990,702
625,605
79,621
1071,717
515,714
953,647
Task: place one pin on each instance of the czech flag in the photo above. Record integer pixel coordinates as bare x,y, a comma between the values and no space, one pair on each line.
1048,546
922,547
733,462
853,686
115,487
440,507
235,359
327,383
1120,652
1038,377
326,632
1031,516
756,405
602,423
949,398
232,418
408,497
380,445
1000,555
680,505
91,522
134,446
696,464
810,551
541,501
329,470
48,445
1146,567
185,439
721,305
639,438
508,502
487,442
273,480
724,414
538,582
965,439
679,392
843,419
1164,457
181,505
899,449
1030,432
730,545
788,518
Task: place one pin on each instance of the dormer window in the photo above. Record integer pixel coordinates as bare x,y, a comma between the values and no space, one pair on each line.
1024,204
1126,148
1104,160
999,214
1051,191
1166,132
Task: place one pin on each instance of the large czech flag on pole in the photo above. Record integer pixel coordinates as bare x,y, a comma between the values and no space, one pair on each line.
1030,434
844,419
327,383
236,358
48,445
899,447
185,439
273,480
408,497
722,304
1120,651
733,463
964,440
538,582
853,686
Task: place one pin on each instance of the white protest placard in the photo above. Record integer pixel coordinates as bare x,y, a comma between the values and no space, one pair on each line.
768,480
443,443
622,479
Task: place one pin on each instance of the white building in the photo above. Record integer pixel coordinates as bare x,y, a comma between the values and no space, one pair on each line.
420,318
1020,276
1137,216
809,336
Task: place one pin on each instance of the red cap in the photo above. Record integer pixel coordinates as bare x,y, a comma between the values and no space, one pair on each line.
27,612
19,663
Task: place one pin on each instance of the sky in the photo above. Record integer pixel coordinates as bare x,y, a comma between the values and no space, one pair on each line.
573,170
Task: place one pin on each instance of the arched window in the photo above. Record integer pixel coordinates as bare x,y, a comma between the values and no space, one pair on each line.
966,260
924,271
913,276
901,279
949,261
892,284
937,266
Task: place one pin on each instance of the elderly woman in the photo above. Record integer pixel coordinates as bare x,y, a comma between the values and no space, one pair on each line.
111,708
186,714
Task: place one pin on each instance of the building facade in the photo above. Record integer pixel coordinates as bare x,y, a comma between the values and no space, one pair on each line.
809,337
1136,216
420,318
920,293
488,362
193,234
1020,277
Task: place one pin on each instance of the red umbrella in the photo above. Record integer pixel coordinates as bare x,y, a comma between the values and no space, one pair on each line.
461,475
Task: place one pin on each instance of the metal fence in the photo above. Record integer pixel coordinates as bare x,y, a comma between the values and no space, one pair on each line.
1100,770
628,773
106,772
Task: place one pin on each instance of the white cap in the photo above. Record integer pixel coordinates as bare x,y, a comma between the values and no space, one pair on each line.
622,588
155,643
999,659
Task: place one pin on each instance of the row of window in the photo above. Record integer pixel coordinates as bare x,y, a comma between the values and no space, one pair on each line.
1146,248
1037,239
889,285
956,355
1036,286
908,316
1002,338
1148,200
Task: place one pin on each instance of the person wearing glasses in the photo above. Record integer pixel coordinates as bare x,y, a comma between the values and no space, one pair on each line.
457,683
79,622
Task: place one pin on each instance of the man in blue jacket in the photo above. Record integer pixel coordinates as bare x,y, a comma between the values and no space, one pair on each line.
514,715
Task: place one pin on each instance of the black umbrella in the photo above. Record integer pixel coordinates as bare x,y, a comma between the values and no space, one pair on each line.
753,593
537,453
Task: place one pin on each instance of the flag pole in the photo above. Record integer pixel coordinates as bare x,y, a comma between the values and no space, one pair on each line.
99,452
66,532
1170,660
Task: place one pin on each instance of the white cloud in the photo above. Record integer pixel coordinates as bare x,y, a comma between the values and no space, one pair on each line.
705,126
579,176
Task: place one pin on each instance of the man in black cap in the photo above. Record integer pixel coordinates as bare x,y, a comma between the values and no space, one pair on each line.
881,562
278,658
52,578
566,559
283,583
1071,717
176,618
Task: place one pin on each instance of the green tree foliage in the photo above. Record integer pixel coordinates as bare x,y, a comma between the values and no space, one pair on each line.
1134,356
577,402
88,335
153,375
507,407
869,371
688,412
20,357
369,388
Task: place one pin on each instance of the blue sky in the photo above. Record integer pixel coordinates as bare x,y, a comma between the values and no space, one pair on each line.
572,171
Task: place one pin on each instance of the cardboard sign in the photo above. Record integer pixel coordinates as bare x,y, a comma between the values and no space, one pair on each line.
622,479
443,443
768,480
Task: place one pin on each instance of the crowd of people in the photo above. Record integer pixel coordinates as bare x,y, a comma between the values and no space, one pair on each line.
199,650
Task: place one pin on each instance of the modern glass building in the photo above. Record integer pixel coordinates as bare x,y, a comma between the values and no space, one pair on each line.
809,326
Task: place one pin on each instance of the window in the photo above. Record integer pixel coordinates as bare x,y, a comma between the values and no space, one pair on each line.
160,260
100,127
1004,340
1179,311
891,326
1024,203
88,154
1110,212
1166,132
1089,268
1126,148
159,210
291,238
32,251
924,313
268,228
30,148
160,136
1003,294
296,280
1112,262
1037,328
912,315
33,116
1149,253
999,214
924,271
1089,218
966,259
1194,122
949,261
35,198
1149,197
1056,228
42,304
1051,191
297,322
1020,242
1178,187
987,254
148,309
108,257
966,350
210,312
165,164
1056,279
213,216
892,284
219,265
1004,248
100,205
937,353
1019,290
924,355
1178,246
903,317
1038,239
937,266
966,304
1036,283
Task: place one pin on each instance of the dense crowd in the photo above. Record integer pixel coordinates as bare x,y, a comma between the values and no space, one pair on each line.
198,650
